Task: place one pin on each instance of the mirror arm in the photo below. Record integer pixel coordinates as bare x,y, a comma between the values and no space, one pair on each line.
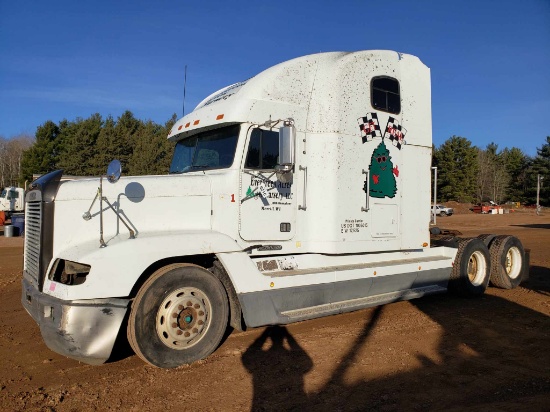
101,241
132,233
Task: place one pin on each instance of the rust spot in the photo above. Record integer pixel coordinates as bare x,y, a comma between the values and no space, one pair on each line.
265,265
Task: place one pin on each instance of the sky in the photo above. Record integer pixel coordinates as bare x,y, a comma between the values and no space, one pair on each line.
489,59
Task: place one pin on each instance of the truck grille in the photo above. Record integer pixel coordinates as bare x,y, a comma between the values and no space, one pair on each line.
33,223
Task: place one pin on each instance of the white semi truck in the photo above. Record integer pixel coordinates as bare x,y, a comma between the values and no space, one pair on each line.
299,193
12,199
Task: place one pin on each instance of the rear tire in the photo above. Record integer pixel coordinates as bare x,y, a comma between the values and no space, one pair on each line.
508,263
471,269
179,316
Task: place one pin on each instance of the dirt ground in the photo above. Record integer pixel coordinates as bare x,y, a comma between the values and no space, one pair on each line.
435,353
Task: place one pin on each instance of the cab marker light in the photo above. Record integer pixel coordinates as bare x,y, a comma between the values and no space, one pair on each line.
271,284
196,122
425,244
219,117
179,128
187,124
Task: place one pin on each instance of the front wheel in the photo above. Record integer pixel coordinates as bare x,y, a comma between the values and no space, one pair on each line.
471,268
179,316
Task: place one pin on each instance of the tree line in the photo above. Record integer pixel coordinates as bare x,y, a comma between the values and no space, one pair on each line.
467,173
84,147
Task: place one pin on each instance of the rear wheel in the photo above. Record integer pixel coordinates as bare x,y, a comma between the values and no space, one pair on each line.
508,264
471,269
179,316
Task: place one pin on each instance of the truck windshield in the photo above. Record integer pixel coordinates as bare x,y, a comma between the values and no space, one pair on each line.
214,149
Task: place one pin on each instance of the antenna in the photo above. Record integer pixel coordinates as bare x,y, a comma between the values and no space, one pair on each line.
184,88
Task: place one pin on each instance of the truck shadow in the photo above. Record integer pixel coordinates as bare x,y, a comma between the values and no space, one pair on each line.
535,226
478,361
539,280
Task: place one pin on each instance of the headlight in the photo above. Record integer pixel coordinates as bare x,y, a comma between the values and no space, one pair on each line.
68,272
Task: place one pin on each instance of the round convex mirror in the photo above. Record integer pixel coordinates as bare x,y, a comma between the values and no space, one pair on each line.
113,171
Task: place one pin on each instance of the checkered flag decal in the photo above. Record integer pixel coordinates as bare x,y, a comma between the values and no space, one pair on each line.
395,132
369,126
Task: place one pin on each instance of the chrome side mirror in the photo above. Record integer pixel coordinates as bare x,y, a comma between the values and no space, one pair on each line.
287,143
114,170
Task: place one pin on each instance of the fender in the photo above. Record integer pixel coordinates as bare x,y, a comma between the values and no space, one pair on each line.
116,268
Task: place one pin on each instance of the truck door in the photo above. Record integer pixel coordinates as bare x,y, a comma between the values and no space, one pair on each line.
267,205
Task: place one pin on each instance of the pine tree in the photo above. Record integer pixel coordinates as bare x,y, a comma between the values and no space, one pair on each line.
152,151
80,139
516,164
457,168
541,166
42,157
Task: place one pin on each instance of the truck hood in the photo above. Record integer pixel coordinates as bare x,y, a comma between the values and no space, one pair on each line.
137,188
148,204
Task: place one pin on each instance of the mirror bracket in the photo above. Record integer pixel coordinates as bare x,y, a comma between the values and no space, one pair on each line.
114,170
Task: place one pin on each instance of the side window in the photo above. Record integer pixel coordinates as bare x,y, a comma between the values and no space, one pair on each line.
385,94
14,194
263,150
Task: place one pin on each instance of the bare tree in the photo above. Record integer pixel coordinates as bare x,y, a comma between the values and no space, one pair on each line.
11,153
493,177
484,174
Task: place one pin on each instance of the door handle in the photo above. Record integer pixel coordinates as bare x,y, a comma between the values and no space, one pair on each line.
366,209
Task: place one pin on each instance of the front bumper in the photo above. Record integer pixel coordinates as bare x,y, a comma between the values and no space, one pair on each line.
84,330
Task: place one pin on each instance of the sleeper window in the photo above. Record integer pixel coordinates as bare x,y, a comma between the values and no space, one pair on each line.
385,94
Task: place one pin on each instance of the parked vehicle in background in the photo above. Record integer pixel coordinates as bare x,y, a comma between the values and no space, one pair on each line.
442,210
12,199
486,207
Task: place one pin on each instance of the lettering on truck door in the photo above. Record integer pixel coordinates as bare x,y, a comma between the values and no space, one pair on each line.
267,205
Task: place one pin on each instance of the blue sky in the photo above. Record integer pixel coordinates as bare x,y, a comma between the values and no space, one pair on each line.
490,60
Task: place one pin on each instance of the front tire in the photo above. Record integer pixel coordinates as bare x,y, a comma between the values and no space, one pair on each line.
471,269
508,264
179,316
